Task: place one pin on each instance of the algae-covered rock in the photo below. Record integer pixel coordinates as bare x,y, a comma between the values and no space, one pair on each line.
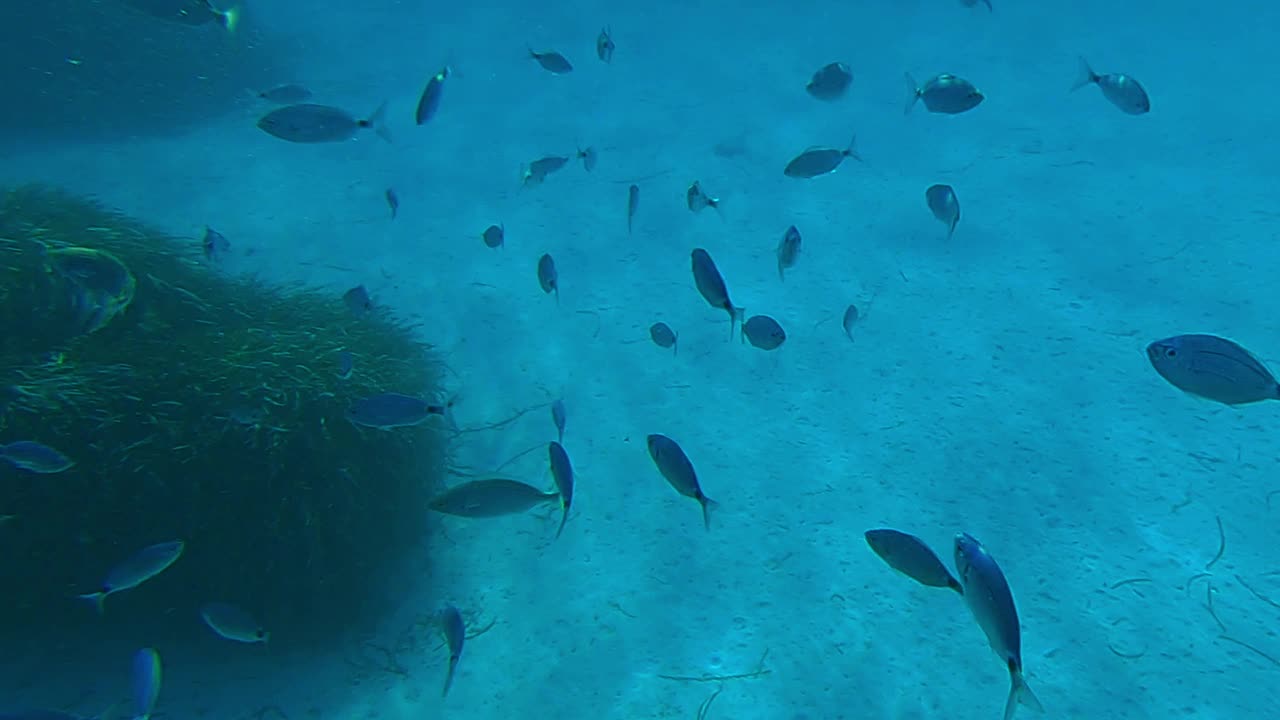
200,407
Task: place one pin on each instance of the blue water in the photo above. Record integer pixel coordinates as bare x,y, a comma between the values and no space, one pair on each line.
996,383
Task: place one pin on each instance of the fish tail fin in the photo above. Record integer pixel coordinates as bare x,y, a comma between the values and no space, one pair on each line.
852,150
988,4
230,18
448,678
708,505
564,518
377,121
954,222
99,600
736,316
1085,76
675,350
1020,694
913,93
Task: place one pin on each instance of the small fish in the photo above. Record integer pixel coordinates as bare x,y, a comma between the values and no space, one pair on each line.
697,200
633,204
311,123
141,567
552,62
944,205
676,468
1214,368
706,276
588,158
455,633
288,94
548,276
788,250
393,202
539,169
562,472
490,498
986,592
664,337
35,457
188,12
558,418
820,161
849,320
215,244
910,556
147,677
392,410
1123,91
233,623
494,236
358,301
429,101
763,332
830,82
346,364
974,3
945,94
605,46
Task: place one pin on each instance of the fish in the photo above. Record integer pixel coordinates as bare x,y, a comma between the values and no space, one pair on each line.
676,468
562,473
538,170
605,46
558,418
788,250
698,200
490,498
973,3
214,244
552,62
139,568
588,158
429,101
147,677
455,634
393,202
392,410
763,332
187,12
945,94
548,276
1123,91
233,623
986,592
494,236
706,276
312,123
35,457
633,204
849,320
346,364
42,715
287,94
944,205
830,82
358,301
910,556
1214,368
820,161
664,337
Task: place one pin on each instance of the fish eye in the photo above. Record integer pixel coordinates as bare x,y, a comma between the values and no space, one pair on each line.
1170,352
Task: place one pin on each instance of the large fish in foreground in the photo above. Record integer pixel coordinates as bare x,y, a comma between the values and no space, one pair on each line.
311,123
987,594
141,567
1214,368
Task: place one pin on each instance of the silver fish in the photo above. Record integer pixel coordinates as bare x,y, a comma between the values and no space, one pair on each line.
552,62
393,202
147,677
849,320
820,161
944,205
392,410
945,94
548,276
494,236
455,634
233,623
214,244
1214,368
664,337
605,46
490,498
35,457
311,123
358,301
676,468
788,250
987,594
144,565
910,556
830,82
562,472
558,418
1123,91
706,276
538,170
429,101
697,199
633,204
763,332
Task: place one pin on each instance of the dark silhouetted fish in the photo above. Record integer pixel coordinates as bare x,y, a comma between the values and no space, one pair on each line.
311,123
455,634
552,62
141,567
664,337
910,556
944,205
494,236
562,472
490,498
945,94
35,457
548,276
1123,91
849,320
346,364
187,12
429,101
697,199
393,202
706,276
588,158
288,94
788,250
986,592
830,82
1213,367
820,161
558,418
392,410
539,169
605,46
763,332
633,204
233,623
214,244
358,301
146,677
676,468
